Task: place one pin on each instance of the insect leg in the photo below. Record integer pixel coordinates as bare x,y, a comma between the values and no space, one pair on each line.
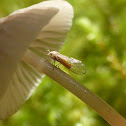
58,65
48,60
53,61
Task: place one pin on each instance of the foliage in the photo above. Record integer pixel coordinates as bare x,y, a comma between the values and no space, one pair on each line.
98,39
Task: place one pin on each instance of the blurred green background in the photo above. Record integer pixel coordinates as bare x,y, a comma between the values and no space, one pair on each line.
98,39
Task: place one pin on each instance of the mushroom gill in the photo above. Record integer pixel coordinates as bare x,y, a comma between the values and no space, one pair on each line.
30,30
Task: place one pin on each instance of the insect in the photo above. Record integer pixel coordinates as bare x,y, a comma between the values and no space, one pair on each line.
74,65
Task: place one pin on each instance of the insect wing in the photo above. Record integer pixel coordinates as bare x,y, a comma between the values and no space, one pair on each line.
76,66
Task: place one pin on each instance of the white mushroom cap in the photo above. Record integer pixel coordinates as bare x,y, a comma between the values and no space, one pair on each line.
37,28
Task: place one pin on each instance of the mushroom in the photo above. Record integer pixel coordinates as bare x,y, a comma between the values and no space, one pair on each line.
31,30
25,35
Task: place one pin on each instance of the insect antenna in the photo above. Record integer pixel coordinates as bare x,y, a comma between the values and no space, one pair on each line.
48,50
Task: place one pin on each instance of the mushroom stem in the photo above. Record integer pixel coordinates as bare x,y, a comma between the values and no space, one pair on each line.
101,107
